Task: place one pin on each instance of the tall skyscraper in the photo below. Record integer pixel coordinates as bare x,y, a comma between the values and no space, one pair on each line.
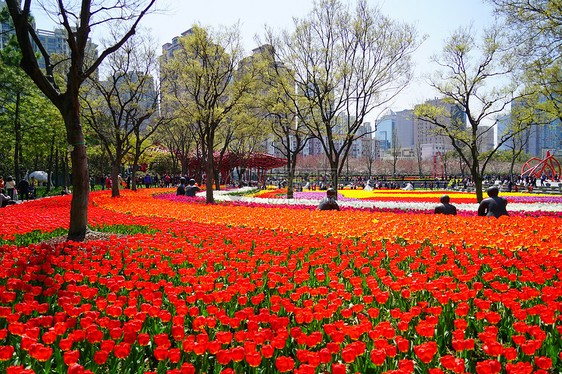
428,138
55,43
6,29
545,135
396,130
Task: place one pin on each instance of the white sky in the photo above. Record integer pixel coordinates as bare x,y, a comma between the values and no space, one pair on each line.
435,18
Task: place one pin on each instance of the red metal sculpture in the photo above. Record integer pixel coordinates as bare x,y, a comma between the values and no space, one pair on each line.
542,166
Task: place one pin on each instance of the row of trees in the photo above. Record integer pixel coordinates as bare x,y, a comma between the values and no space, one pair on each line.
515,63
320,79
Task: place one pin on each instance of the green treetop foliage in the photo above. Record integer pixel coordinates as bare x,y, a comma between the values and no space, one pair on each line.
29,122
470,80
536,27
204,83
345,62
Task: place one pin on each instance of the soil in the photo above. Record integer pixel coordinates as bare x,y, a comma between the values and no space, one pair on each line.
90,235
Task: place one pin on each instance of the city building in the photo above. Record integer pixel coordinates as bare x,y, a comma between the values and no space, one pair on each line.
396,130
545,135
428,138
6,29
168,49
56,44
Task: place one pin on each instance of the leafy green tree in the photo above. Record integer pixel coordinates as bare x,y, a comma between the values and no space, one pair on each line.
27,119
78,19
469,79
202,84
289,135
536,25
125,105
345,63
179,138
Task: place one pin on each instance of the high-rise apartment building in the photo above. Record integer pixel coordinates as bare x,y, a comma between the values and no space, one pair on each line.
396,130
168,49
429,139
539,138
6,29
56,44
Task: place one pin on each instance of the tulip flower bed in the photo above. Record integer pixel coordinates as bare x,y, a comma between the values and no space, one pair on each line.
422,201
237,289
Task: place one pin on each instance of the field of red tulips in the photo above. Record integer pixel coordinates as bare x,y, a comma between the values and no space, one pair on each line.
236,289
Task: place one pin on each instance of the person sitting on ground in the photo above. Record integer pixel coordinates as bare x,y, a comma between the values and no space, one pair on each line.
329,202
65,191
181,188
493,205
192,188
5,199
445,207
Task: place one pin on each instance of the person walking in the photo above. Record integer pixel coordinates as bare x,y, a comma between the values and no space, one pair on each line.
10,187
23,188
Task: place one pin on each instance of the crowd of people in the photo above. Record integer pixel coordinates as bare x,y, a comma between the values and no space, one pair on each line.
142,181
11,190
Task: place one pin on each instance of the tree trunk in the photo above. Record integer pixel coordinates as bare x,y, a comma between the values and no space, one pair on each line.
241,172
50,169
134,175
80,182
217,175
478,186
334,170
56,167
17,145
290,177
115,177
209,170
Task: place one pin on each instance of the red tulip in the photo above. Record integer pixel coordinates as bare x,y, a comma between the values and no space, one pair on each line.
100,357
426,351
122,350
174,355
71,357
187,368
378,356
543,362
160,353
6,352
284,364
338,369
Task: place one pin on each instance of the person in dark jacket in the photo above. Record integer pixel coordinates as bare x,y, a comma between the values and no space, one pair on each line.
329,202
493,205
181,188
23,189
192,189
445,207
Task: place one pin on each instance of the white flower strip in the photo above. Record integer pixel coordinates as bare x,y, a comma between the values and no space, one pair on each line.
522,207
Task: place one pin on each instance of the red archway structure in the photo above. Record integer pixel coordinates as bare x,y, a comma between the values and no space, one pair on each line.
535,167
260,162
